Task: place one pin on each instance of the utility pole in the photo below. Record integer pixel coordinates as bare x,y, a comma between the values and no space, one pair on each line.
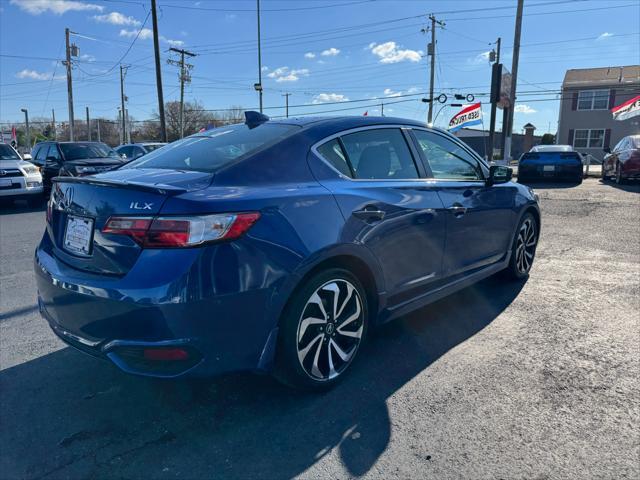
123,126
514,79
382,109
120,131
286,103
88,125
258,86
69,82
431,50
55,133
156,47
128,129
184,77
98,128
26,121
496,77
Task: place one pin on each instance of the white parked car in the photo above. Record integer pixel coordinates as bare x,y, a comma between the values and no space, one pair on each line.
18,179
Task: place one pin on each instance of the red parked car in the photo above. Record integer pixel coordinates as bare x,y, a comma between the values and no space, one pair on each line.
623,163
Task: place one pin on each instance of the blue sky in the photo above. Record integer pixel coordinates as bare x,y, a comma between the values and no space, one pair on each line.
320,51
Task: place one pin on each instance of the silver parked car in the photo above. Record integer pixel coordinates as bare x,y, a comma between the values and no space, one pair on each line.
132,151
18,179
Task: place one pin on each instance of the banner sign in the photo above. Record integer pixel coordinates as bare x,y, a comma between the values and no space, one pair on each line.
629,109
471,115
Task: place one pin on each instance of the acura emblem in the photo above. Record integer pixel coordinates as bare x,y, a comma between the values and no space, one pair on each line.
67,199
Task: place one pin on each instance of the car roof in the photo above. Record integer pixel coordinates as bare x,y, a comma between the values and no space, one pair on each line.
552,148
353,121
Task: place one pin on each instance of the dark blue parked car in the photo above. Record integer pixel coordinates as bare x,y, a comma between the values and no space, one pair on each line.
550,162
274,245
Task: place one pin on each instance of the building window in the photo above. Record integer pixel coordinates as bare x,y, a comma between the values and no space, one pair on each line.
589,138
593,99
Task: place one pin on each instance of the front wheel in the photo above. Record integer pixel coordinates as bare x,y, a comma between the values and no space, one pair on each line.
322,330
523,248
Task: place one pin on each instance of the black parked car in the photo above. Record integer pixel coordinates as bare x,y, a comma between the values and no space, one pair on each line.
75,159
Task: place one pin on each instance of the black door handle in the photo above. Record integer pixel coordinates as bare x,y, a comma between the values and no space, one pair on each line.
457,210
369,214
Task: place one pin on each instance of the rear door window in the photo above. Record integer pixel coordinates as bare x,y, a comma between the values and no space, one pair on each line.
380,154
212,150
41,155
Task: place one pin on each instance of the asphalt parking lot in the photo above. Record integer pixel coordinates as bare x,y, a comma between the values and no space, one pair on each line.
534,380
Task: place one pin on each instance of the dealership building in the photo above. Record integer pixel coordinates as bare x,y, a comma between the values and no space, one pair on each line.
588,95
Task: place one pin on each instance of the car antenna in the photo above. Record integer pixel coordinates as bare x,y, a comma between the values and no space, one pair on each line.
254,119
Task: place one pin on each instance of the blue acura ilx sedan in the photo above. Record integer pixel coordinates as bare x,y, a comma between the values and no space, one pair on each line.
274,245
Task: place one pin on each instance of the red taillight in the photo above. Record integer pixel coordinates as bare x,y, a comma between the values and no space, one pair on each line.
165,354
165,232
241,224
171,232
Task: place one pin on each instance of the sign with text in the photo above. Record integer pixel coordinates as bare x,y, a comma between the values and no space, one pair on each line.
470,115
629,109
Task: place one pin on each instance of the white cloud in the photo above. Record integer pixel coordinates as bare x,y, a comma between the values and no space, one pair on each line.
87,57
413,90
330,97
330,52
264,68
522,108
390,93
390,52
36,7
604,36
145,33
117,18
309,55
230,17
480,58
285,74
33,75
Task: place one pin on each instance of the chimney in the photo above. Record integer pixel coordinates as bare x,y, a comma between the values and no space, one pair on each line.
528,137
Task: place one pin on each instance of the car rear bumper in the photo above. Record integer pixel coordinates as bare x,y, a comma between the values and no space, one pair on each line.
559,173
107,318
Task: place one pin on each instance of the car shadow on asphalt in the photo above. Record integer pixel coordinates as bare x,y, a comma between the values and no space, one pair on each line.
20,206
550,185
626,187
67,415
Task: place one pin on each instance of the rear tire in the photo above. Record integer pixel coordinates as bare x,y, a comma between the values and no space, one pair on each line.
322,330
620,180
523,248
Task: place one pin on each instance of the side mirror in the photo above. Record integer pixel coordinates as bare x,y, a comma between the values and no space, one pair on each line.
606,150
499,174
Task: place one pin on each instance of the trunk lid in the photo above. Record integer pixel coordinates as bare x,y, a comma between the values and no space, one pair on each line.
83,205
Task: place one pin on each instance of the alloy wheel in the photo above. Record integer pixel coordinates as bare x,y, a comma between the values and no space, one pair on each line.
526,246
330,330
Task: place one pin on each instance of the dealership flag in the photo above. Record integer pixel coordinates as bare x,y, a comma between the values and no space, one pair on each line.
629,109
471,115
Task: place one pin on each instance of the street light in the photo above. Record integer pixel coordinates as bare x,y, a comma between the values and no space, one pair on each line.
26,121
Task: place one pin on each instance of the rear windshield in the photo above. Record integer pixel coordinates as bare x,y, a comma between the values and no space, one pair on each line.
83,151
635,142
8,153
208,152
